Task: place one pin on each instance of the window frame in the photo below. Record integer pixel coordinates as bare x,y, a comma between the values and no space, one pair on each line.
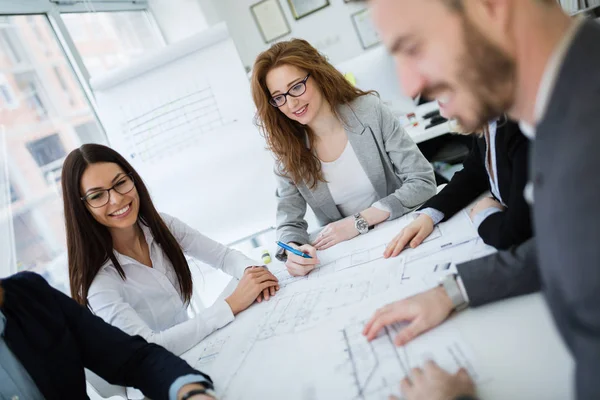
53,9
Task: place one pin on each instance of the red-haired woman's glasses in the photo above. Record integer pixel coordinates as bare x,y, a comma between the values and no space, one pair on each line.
295,91
100,198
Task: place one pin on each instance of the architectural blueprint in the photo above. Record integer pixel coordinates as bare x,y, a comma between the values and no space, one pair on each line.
307,343
378,366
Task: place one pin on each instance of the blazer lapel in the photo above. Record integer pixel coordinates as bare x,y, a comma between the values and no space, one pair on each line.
325,202
365,147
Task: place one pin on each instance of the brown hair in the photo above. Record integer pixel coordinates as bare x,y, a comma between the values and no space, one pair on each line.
89,243
285,137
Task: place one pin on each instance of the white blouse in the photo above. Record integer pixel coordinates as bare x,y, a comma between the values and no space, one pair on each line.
148,302
348,183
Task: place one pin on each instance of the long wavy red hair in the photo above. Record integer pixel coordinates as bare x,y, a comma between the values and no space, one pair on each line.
285,137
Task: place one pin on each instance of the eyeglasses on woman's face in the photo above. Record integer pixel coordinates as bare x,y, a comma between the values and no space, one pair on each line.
100,198
295,91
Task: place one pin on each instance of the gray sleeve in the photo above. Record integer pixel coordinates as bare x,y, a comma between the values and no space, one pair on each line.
291,209
501,275
413,169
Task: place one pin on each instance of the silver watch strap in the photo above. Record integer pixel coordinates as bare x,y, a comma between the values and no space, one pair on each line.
450,285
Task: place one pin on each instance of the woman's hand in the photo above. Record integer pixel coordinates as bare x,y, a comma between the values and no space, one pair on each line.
252,285
335,233
300,266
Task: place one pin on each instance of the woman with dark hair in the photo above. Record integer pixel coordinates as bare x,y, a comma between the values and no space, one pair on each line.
127,263
338,149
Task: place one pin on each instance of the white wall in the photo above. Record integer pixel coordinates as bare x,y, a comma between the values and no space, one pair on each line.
179,19
329,29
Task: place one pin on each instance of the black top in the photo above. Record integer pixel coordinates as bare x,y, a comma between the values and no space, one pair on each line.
503,229
54,338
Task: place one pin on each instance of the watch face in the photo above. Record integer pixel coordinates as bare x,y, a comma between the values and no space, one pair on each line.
362,225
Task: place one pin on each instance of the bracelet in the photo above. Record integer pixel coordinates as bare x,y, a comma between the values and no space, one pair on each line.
195,392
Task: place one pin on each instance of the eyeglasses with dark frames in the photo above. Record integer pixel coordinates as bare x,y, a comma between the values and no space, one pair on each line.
295,91
100,198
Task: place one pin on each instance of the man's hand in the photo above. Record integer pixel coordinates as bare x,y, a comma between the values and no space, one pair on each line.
433,383
422,311
414,233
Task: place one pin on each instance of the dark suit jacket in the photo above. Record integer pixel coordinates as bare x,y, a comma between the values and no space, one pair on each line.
55,338
503,229
564,258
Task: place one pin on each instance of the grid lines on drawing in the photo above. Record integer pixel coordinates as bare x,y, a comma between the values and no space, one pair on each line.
173,125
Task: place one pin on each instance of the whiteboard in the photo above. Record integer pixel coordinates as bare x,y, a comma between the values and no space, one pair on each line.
183,117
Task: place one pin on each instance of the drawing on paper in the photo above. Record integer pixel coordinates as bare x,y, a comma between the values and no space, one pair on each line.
172,125
378,366
210,350
302,311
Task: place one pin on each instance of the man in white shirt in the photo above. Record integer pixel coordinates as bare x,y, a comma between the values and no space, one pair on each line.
480,58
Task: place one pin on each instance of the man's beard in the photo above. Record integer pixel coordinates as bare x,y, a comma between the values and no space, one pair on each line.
487,73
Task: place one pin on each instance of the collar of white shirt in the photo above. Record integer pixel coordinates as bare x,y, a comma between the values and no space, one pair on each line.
123,259
548,81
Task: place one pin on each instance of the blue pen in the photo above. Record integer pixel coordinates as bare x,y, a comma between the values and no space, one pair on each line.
293,250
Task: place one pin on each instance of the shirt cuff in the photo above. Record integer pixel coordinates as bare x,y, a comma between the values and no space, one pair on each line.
461,286
218,315
241,262
435,215
378,205
483,214
186,380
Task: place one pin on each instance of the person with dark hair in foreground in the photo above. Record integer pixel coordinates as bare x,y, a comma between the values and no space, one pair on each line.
47,339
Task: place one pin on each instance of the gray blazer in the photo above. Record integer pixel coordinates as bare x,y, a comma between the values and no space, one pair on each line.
401,176
564,258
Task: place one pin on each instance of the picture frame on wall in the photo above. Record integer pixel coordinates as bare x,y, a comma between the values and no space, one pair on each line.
367,34
270,20
302,8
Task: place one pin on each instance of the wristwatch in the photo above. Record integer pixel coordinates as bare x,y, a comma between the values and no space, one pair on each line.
361,224
453,291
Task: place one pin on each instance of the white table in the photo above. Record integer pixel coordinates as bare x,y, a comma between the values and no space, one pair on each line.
515,340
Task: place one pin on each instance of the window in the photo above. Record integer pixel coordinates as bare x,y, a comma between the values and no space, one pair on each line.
31,95
7,96
46,150
13,194
7,45
108,40
63,85
39,137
